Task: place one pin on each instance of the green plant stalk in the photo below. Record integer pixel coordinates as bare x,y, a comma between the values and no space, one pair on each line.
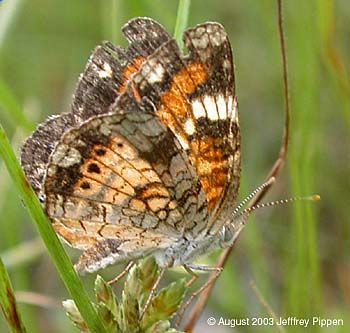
114,22
8,302
304,291
181,20
111,13
54,246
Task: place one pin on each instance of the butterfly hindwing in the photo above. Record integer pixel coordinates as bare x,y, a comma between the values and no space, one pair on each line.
122,169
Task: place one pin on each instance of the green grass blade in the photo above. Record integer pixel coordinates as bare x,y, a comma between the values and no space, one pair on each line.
111,14
304,291
55,248
115,23
8,302
181,20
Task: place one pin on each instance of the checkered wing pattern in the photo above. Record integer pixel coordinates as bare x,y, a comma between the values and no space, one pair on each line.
194,96
124,178
150,152
103,80
110,67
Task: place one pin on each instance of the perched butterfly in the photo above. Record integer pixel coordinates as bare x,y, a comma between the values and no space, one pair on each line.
148,159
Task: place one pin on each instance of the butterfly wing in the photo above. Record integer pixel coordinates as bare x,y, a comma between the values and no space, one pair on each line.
165,161
104,78
121,177
110,67
194,96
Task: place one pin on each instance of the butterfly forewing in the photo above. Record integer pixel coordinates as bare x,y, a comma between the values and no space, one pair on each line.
194,96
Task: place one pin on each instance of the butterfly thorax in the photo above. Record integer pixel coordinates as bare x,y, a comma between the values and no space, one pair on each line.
185,250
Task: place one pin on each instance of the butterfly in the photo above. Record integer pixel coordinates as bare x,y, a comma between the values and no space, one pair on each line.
148,159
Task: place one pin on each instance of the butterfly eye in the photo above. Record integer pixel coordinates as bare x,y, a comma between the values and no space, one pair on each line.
227,235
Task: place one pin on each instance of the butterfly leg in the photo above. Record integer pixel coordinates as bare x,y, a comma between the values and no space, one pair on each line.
194,276
122,274
154,287
189,268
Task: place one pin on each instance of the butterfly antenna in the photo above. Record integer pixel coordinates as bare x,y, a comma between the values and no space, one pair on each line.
269,182
240,219
237,209
243,215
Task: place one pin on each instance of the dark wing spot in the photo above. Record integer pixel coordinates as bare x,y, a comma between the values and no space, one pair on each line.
85,185
93,167
120,144
100,151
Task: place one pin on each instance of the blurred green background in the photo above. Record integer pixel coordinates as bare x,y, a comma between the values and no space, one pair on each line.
298,254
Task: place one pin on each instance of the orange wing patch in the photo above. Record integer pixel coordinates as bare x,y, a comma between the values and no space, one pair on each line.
174,101
211,166
205,154
128,71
